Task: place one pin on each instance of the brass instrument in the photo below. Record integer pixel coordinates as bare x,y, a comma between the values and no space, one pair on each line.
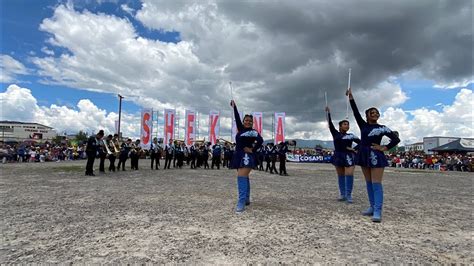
116,147
106,145
225,141
133,148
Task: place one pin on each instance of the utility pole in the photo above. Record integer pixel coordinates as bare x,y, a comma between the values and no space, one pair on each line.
273,127
120,115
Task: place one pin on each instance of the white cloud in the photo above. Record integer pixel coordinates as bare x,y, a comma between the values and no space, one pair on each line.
127,9
18,104
454,85
454,120
10,68
47,51
279,55
115,59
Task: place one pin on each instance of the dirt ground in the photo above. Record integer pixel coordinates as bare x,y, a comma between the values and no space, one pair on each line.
52,213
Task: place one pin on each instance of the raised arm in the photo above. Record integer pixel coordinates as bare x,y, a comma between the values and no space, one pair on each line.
360,121
238,122
331,125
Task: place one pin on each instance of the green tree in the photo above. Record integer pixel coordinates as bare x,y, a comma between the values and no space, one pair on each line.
81,137
57,139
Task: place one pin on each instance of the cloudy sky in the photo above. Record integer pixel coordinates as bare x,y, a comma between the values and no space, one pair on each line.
64,62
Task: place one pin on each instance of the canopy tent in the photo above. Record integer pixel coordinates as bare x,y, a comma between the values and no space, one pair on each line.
460,145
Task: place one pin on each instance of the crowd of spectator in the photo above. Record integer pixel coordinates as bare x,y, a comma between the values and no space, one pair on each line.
443,162
41,153
63,152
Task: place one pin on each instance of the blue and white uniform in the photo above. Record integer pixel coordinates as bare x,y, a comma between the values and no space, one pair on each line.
372,134
343,157
246,137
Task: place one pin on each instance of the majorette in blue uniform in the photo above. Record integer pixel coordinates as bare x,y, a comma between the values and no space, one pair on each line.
246,137
343,158
370,154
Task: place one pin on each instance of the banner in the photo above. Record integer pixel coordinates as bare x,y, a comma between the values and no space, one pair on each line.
116,126
146,128
213,126
190,127
308,158
258,121
169,116
279,127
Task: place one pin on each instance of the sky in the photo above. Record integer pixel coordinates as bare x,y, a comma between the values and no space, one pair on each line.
63,63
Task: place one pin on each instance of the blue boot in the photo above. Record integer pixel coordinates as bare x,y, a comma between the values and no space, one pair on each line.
378,202
342,187
242,186
247,197
370,194
349,186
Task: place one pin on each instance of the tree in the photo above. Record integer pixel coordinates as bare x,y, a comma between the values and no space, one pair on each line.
81,137
57,139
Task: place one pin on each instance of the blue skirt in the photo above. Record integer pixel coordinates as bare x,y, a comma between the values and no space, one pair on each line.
243,160
368,157
343,159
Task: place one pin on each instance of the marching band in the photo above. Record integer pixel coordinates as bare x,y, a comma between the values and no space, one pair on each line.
195,156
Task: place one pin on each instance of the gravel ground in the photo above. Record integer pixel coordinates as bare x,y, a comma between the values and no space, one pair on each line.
52,213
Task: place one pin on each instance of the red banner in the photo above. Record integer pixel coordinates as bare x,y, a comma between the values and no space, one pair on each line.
279,127
214,126
170,116
258,121
146,128
190,125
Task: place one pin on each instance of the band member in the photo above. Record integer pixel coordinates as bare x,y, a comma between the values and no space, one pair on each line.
344,156
370,155
193,154
169,151
261,157
92,149
179,153
187,154
268,161
102,155
231,154
216,155
205,155
113,144
124,152
155,153
200,156
175,158
135,155
273,158
111,156
248,141
282,150
226,155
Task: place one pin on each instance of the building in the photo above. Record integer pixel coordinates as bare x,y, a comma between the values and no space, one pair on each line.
430,143
414,147
21,131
